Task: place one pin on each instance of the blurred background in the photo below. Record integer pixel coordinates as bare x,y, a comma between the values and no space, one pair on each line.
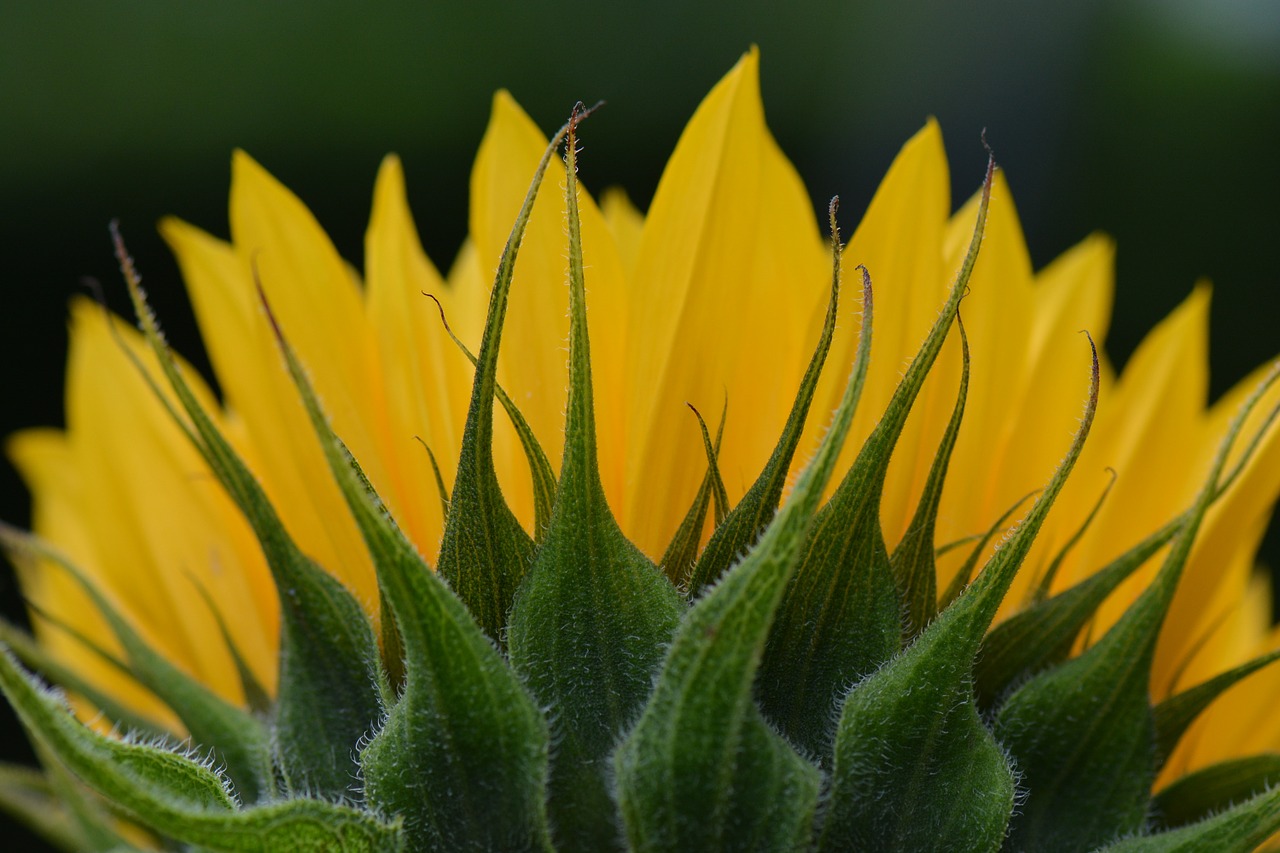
1157,121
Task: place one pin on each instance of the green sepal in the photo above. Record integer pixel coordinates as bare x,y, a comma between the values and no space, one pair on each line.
1040,591
1083,733
441,489
1240,829
461,757
592,618
178,797
965,573
744,524
392,646
913,761
236,739
1176,713
702,770
913,564
34,657
840,617
544,478
330,679
1042,636
485,552
1212,789
678,560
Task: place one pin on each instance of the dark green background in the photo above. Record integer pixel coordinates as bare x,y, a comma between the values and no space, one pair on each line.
1158,122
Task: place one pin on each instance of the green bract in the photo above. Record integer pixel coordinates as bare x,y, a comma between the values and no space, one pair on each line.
795,686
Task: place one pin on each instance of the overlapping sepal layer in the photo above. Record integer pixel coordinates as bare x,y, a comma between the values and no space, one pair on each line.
471,645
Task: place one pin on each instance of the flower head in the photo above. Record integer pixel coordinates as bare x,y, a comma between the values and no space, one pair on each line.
714,298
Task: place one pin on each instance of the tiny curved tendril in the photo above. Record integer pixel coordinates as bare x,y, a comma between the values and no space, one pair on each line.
832,207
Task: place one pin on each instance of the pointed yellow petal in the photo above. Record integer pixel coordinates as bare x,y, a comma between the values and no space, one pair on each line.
627,224
1164,383
1242,721
1072,294
281,447
899,240
427,378
312,292
156,527
1221,563
46,463
731,267
998,315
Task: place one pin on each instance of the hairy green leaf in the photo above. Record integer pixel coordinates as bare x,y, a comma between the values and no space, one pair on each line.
593,615
1240,829
178,797
966,570
1083,734
1042,588
462,757
33,656
840,617
912,561
702,770
1042,635
1213,789
544,478
913,762
679,558
235,738
1174,715
485,552
743,525
330,681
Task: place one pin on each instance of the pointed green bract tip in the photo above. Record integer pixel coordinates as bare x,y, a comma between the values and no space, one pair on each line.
558,692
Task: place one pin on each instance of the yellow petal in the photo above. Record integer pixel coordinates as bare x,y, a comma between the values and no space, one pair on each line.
156,525
998,315
46,463
1242,721
1164,383
627,224
427,379
730,241
1221,564
899,240
283,451
1072,294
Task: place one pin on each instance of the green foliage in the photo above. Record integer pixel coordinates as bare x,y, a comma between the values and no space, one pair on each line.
485,552
238,740
744,524
330,681
841,616
679,558
1084,733
912,562
702,769
913,761
461,756
593,615
1236,830
180,797
556,692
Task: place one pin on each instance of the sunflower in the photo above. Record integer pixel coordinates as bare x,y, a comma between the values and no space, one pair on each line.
156,553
